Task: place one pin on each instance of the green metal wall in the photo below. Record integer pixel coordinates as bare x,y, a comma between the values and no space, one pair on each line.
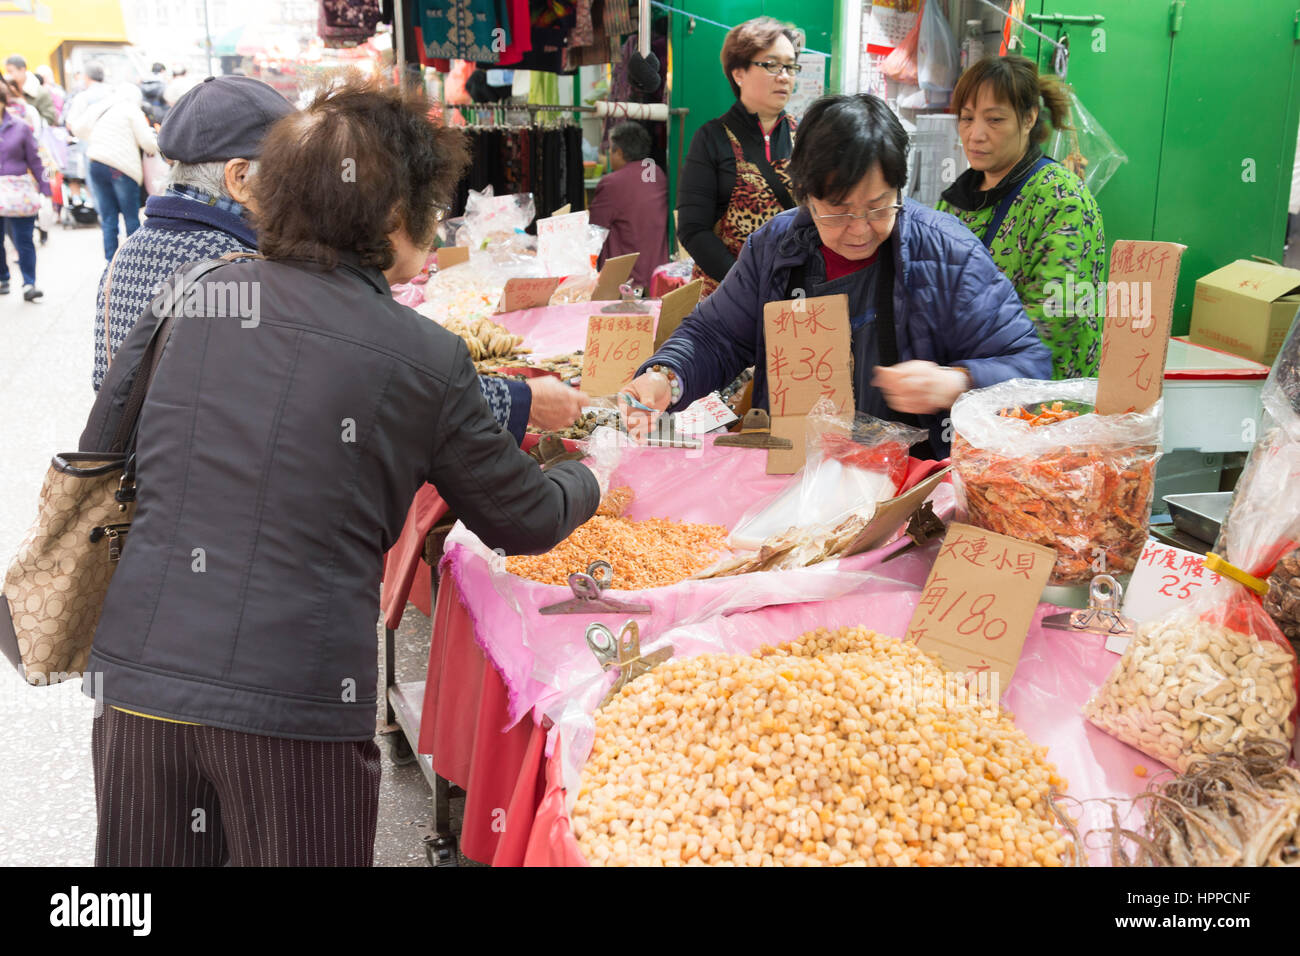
1202,96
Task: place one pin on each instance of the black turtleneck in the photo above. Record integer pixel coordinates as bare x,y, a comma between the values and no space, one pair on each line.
708,176
967,195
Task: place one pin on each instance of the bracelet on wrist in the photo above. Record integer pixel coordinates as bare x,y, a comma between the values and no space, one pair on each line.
674,383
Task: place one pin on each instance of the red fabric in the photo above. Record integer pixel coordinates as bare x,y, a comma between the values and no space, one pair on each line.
406,576
661,283
635,211
521,34
837,266
464,710
551,841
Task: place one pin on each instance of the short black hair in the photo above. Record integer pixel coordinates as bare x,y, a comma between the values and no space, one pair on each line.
632,140
839,139
16,60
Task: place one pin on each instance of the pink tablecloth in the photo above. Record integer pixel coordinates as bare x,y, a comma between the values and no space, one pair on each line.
556,329
539,657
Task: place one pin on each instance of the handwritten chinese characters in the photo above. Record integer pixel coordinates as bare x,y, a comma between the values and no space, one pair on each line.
808,355
616,347
1164,579
527,293
979,600
1139,309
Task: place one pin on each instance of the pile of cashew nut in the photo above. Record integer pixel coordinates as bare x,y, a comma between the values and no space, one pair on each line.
1186,688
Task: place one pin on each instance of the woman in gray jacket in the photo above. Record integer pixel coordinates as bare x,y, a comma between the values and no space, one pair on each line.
295,412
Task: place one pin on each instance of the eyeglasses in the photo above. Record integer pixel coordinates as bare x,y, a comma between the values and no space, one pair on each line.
843,219
776,69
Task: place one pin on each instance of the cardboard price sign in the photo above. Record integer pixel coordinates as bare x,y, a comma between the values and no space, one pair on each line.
527,293
893,514
979,601
1139,310
616,347
808,359
449,256
612,275
674,307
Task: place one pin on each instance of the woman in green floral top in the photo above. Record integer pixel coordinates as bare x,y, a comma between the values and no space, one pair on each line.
1038,219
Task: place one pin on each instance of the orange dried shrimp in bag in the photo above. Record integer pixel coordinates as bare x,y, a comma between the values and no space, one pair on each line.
1031,460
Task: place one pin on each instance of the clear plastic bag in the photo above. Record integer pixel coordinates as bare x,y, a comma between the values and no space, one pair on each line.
1080,486
473,288
938,60
579,270
901,66
1087,149
494,218
853,462
1224,659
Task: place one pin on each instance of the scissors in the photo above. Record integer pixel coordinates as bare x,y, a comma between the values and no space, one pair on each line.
629,400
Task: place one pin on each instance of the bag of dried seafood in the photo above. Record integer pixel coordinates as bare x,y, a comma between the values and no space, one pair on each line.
1032,460
1206,679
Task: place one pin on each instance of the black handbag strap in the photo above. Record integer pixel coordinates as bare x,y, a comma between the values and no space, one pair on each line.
125,433
773,181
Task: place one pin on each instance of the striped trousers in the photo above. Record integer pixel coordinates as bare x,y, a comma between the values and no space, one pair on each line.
169,794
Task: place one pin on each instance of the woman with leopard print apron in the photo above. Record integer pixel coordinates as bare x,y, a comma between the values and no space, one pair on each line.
1035,216
734,179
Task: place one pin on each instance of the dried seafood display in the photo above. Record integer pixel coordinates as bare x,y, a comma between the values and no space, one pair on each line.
487,340
1228,809
842,748
651,553
1056,473
1186,687
796,547
1283,599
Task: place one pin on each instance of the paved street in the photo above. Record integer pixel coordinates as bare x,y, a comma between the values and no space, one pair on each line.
47,801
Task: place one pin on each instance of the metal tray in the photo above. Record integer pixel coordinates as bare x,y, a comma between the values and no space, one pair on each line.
1200,515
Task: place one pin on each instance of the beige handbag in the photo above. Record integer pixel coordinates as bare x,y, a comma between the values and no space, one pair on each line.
54,590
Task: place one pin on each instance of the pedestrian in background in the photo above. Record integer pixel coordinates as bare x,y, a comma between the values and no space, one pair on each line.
116,131
22,178
30,88
213,136
87,90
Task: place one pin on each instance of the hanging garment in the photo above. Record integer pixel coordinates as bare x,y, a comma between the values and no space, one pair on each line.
521,33
477,30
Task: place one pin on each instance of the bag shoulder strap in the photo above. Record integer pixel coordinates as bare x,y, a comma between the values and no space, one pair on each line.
124,436
999,214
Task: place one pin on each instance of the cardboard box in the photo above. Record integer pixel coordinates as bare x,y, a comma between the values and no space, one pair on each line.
1246,308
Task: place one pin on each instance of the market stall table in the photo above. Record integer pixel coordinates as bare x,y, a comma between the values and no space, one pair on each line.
485,708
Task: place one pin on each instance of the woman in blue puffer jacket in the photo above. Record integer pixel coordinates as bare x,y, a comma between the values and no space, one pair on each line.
955,319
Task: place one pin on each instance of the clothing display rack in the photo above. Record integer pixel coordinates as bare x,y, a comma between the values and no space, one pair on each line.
653,112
